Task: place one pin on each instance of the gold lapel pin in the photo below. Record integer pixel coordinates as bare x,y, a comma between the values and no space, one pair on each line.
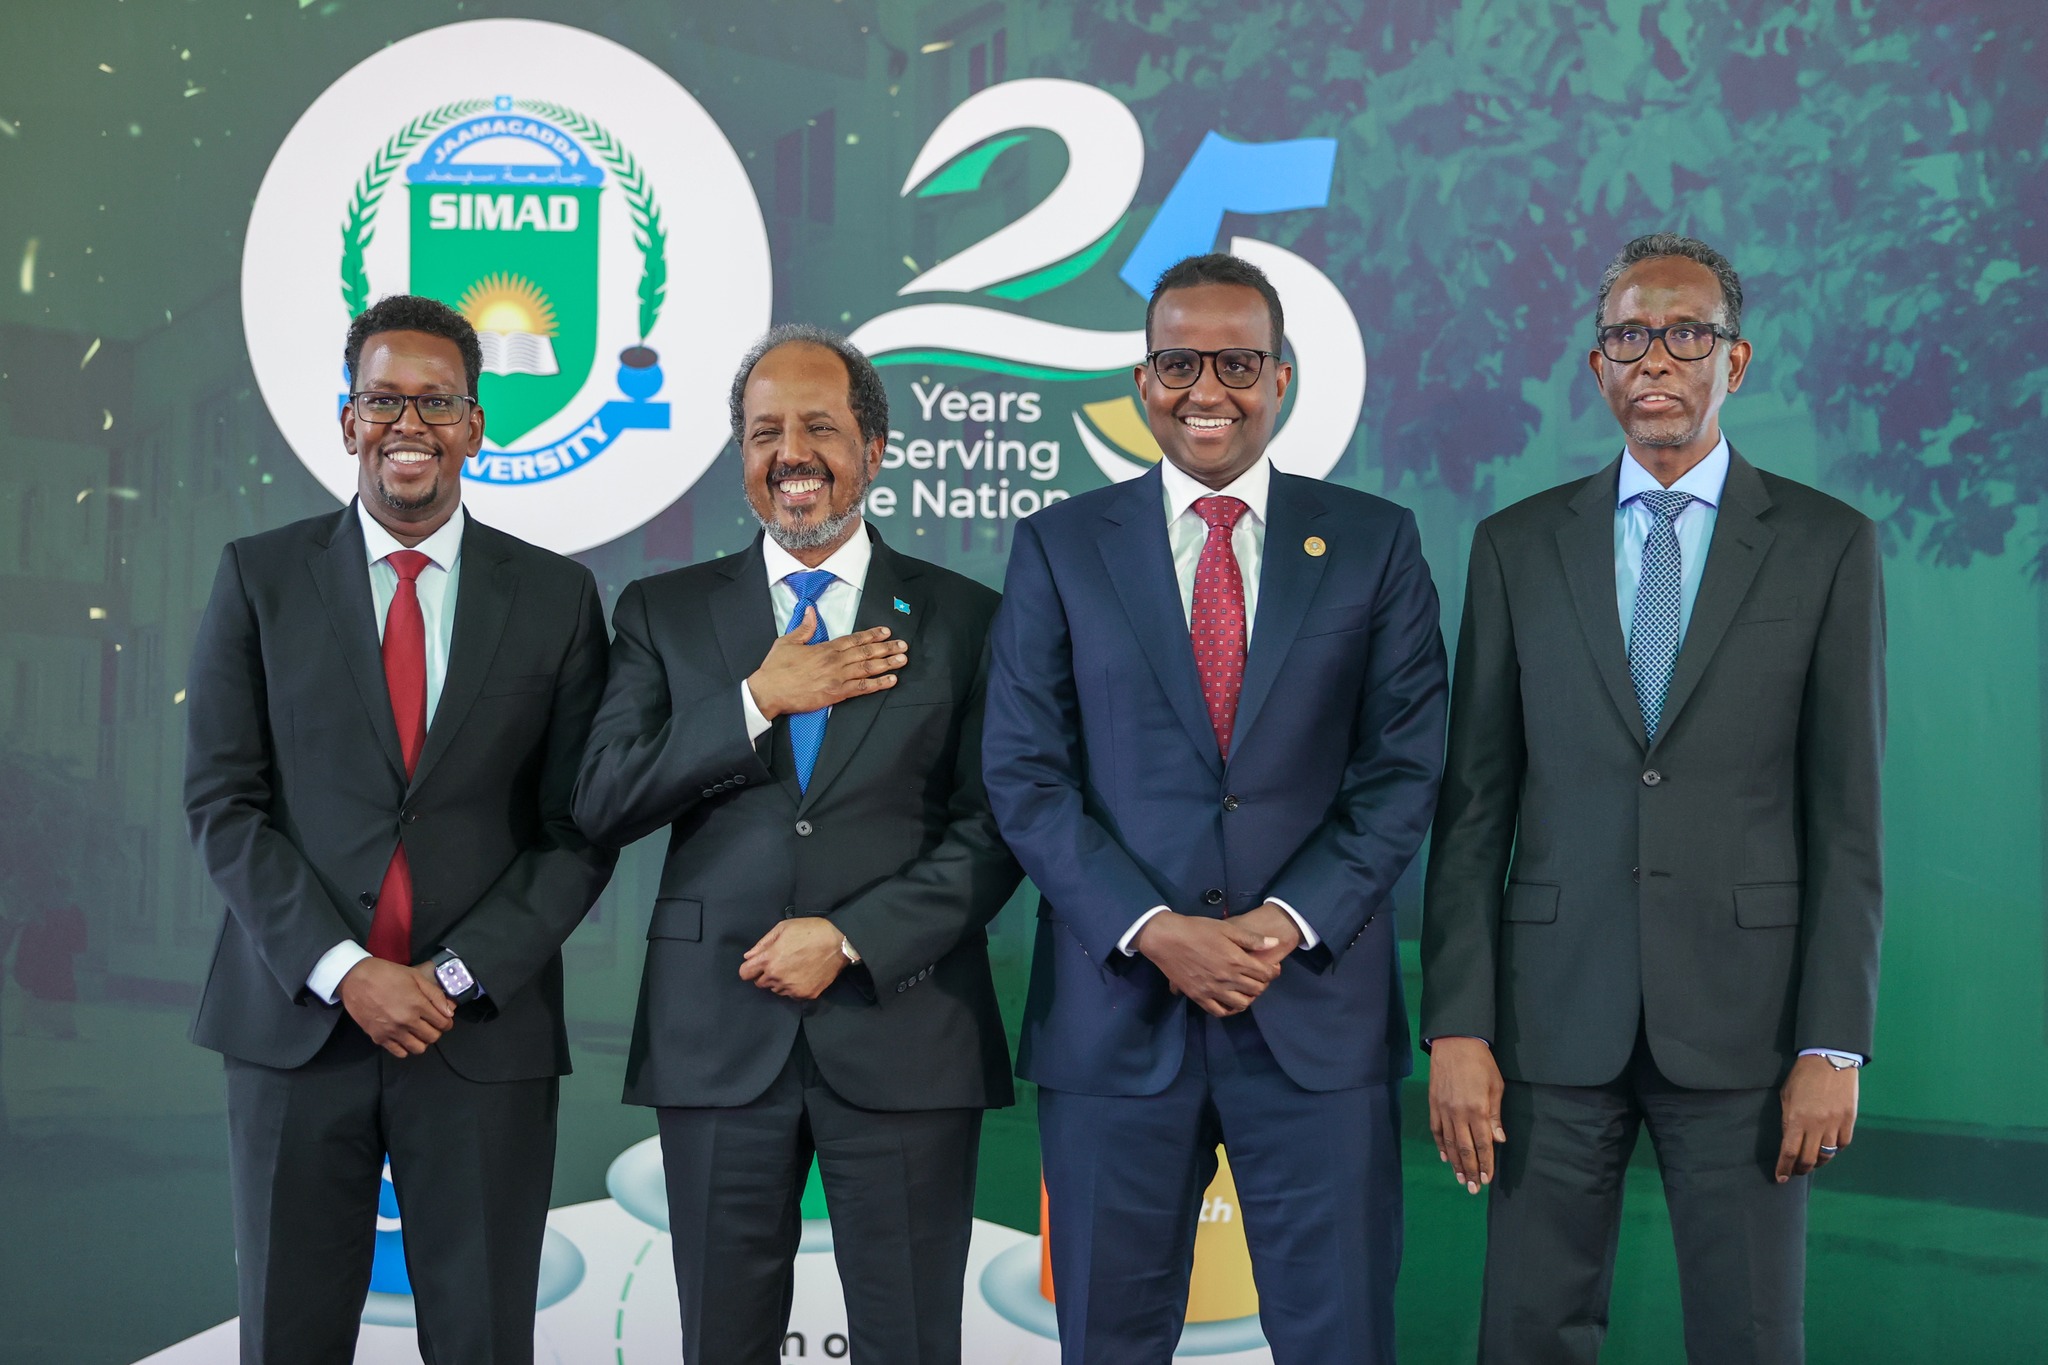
1314,545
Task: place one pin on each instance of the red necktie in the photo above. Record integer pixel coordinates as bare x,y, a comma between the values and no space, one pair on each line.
1217,622
405,674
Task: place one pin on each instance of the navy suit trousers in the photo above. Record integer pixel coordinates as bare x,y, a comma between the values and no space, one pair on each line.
1318,1179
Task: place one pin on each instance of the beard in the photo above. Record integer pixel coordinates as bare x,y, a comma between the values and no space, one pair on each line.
398,502
813,535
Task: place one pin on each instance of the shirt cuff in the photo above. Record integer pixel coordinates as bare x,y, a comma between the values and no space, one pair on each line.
1431,1040
325,978
1308,935
1123,945
757,724
1846,1058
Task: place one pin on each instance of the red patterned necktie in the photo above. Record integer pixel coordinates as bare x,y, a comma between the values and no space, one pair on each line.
405,674
1217,623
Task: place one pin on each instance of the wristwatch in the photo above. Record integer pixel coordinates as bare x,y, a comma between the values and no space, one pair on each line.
846,948
1842,1061
454,976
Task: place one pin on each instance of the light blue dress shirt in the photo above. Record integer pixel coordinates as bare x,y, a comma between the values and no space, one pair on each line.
1694,528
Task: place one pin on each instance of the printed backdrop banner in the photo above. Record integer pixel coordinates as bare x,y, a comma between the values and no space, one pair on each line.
621,195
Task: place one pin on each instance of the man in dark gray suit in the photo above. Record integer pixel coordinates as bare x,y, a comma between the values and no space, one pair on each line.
388,704
805,719
1655,890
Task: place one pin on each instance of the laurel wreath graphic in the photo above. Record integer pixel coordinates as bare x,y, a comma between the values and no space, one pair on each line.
648,232
360,228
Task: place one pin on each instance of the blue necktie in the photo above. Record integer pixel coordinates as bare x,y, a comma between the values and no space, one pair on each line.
807,728
1653,638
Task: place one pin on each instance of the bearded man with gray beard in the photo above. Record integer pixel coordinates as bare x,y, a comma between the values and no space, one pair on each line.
805,719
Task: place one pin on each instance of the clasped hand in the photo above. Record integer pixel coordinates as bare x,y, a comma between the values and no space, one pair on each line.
402,1009
1220,964
796,959
796,677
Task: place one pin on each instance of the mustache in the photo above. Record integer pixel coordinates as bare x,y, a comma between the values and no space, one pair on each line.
808,471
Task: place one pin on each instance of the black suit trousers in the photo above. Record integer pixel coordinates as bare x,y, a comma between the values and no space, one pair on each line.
472,1163
899,1186
1554,1219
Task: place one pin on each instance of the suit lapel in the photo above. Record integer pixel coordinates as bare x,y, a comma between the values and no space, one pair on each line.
890,576
1140,562
1288,579
483,604
1586,543
1733,557
341,573
743,619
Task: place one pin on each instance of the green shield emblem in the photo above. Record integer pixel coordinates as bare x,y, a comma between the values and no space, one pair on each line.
504,228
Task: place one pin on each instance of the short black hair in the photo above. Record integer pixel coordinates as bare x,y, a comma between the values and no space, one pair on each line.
865,393
1659,245
414,313
1218,267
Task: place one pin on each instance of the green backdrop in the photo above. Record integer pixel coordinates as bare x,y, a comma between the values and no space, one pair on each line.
1875,171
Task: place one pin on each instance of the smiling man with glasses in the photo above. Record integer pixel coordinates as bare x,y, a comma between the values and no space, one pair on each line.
387,707
1655,888
1215,724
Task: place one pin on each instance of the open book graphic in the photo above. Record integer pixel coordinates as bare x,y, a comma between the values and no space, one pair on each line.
517,353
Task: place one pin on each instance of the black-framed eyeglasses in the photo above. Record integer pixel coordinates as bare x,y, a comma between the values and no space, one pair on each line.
1237,367
1628,342
435,409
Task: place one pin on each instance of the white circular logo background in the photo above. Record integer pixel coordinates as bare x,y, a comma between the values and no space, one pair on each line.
715,257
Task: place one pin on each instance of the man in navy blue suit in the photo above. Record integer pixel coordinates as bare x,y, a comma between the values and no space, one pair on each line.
1214,733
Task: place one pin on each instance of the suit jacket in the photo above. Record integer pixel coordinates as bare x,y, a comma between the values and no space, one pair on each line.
893,841
1104,775
1722,885
296,793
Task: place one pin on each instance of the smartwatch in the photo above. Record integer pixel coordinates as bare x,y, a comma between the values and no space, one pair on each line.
454,977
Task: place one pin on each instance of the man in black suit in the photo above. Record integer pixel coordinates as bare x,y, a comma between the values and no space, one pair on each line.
805,717
1655,891
387,708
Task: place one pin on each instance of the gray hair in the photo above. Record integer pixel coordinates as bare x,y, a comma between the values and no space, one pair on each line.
1659,245
864,391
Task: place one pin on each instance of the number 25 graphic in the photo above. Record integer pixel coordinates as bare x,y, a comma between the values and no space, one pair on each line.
1067,231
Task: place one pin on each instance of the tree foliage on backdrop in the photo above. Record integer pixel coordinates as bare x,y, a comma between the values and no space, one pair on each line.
1893,257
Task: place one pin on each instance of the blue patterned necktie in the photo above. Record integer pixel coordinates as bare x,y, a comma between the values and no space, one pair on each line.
1653,637
807,728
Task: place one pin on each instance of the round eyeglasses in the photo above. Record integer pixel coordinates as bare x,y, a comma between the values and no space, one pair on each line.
1628,342
435,409
1237,367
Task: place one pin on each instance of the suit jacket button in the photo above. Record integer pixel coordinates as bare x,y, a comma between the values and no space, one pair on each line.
803,827
900,985
1212,897
411,817
1635,874
739,779
1229,803
1652,778
789,912
708,793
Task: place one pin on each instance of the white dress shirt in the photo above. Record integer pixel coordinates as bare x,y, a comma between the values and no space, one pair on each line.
838,605
436,587
1186,534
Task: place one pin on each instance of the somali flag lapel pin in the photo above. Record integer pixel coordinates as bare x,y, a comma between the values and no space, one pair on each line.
902,606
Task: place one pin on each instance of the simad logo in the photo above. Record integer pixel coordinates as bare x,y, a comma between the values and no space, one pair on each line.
526,174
